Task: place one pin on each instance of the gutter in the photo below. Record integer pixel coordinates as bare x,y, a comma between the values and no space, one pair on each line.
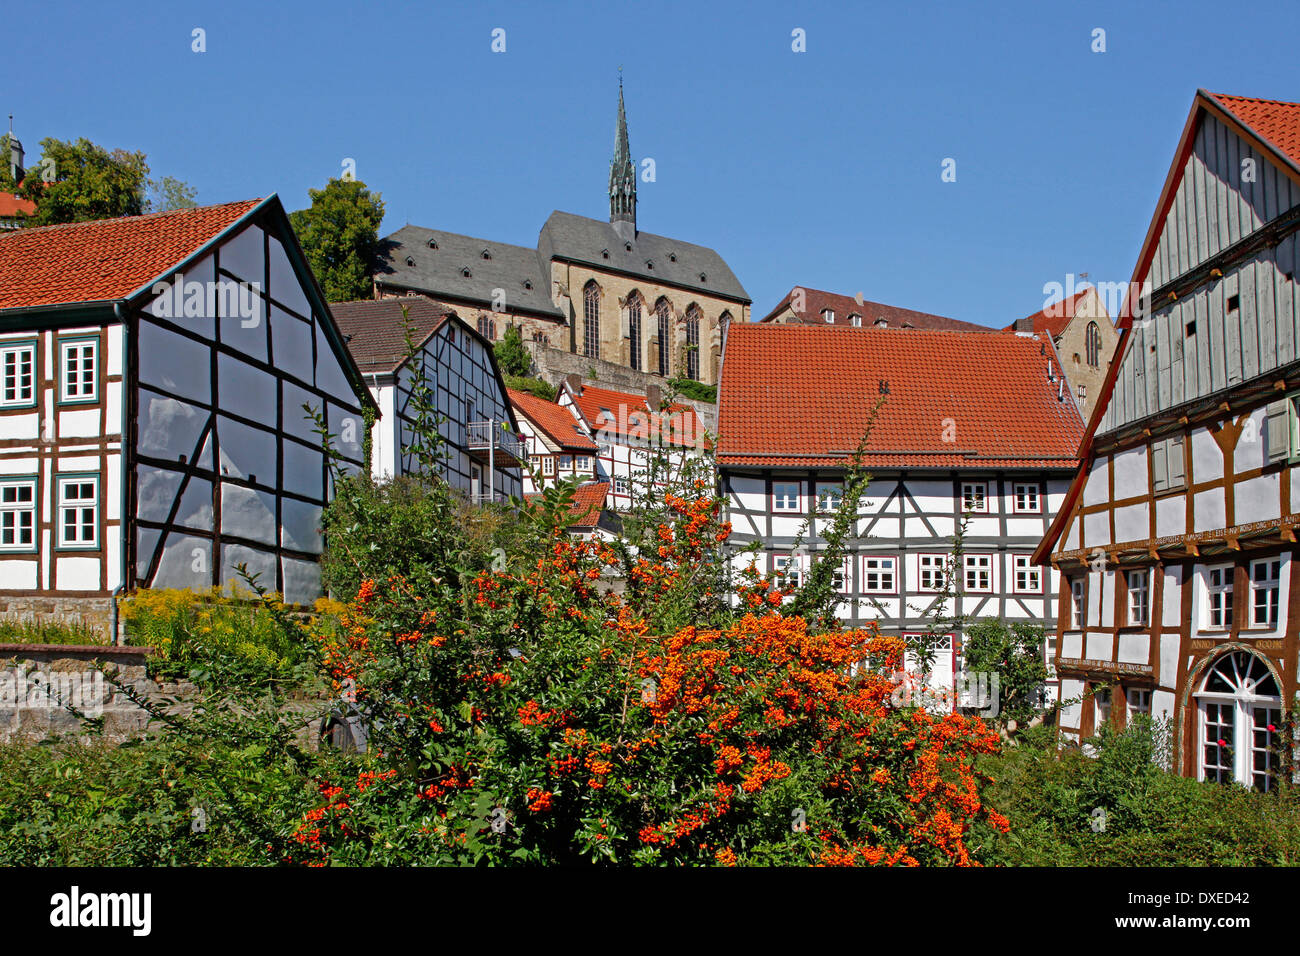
119,311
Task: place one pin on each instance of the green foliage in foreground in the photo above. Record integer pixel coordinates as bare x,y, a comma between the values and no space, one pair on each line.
49,632
1151,817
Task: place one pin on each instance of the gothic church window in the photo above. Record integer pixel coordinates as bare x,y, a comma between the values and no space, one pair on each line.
634,331
661,318
693,342
1092,341
591,320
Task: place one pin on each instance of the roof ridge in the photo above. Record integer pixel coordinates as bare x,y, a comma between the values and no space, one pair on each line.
32,230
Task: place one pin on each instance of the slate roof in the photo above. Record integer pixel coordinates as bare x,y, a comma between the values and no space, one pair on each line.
793,395
1052,319
816,301
440,271
1272,120
579,239
106,259
374,331
557,423
625,415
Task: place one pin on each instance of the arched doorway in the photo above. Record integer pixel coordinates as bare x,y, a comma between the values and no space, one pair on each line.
1239,714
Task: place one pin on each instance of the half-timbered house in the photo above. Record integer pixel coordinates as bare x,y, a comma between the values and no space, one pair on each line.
557,443
629,431
968,423
1180,592
154,374
482,447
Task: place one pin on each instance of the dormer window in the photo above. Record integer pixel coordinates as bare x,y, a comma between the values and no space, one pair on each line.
704,277
433,243
672,257
627,246
410,260
855,321
828,316
882,322
649,264
604,253
464,271
485,254
528,283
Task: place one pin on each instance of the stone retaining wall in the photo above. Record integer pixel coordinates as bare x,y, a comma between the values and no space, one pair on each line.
95,612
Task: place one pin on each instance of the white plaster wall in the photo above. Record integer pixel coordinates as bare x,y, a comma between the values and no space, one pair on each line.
1207,458
1171,516
1132,523
1209,510
1131,473
1257,499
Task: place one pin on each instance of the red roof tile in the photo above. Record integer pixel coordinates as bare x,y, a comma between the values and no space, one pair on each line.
1052,319
815,302
621,414
557,423
1272,120
374,331
11,205
587,505
791,395
105,259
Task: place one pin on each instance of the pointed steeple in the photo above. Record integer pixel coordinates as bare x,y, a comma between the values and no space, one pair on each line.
622,176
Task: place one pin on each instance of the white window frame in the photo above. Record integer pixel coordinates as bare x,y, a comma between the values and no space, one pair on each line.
1101,702
779,499
548,466
582,462
71,390
884,568
1049,655
969,489
1030,492
63,504
622,486
566,463
787,570
977,563
1024,564
1077,608
843,578
836,490
13,512
11,356
1138,614
828,315
1272,592
1138,700
926,563
1218,591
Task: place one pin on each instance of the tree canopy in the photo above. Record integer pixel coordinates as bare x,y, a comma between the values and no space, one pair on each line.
79,181
339,234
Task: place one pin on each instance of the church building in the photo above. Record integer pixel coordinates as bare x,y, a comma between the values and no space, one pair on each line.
601,290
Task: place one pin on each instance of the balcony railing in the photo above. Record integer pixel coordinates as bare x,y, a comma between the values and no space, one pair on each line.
493,440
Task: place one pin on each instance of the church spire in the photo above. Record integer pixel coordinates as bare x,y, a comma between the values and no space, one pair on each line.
622,176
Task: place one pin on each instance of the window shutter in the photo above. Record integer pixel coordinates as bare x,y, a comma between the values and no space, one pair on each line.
1159,476
1277,431
1174,462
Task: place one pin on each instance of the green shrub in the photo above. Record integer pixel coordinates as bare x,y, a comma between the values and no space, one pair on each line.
533,386
49,632
689,388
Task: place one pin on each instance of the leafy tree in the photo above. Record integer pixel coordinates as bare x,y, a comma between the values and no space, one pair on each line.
76,182
339,234
533,386
511,354
1013,651
169,193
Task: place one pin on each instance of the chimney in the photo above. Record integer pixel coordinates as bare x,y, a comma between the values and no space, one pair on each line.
574,381
653,397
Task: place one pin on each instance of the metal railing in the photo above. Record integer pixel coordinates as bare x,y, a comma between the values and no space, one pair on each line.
497,436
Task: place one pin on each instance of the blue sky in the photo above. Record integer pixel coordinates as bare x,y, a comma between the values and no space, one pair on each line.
819,168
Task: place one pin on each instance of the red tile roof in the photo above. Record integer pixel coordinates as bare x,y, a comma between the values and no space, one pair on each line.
106,259
558,424
815,301
587,505
1272,120
791,395
11,205
374,331
1052,319
624,413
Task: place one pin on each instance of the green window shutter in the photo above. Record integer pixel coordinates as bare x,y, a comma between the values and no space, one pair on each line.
1159,476
1174,462
1277,430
